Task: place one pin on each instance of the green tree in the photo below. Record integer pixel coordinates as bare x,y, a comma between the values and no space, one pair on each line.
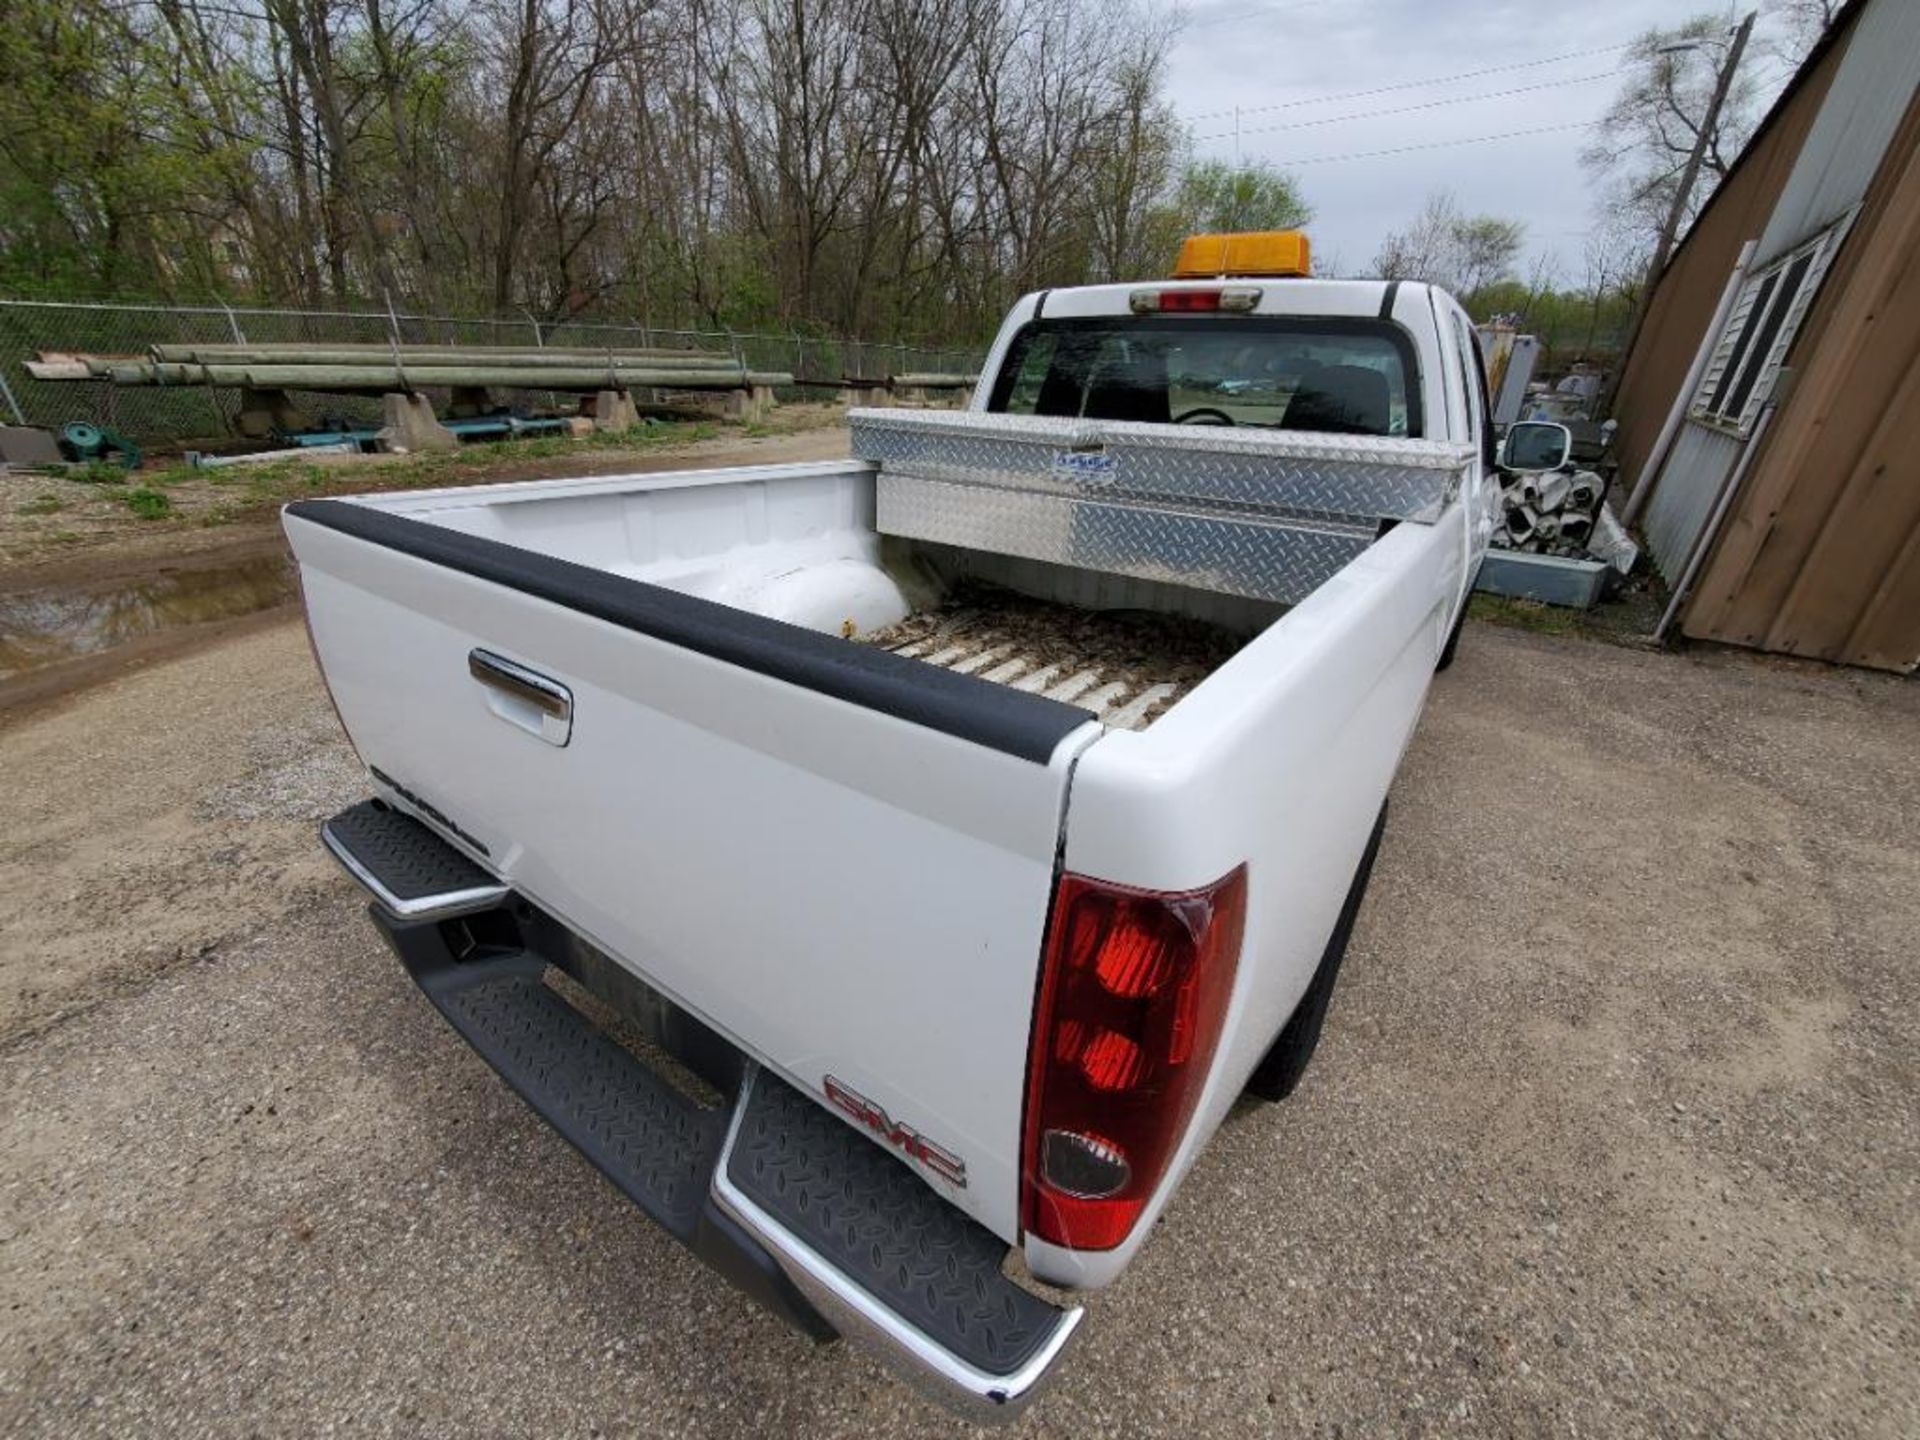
90,188
1213,195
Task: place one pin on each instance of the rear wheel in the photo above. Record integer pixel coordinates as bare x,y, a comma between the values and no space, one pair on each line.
1278,1075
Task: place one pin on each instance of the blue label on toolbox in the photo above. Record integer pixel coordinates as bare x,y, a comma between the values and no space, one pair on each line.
1084,467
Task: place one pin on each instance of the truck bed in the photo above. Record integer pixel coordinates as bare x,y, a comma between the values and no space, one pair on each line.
727,729
1127,666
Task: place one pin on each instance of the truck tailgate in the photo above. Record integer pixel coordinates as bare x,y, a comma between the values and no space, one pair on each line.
844,871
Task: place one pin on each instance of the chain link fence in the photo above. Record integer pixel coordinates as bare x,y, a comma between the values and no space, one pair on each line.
161,414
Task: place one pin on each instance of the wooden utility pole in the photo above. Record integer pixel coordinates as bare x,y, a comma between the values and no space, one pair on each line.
1677,211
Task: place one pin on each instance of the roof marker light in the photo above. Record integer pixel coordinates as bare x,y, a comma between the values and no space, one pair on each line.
1228,299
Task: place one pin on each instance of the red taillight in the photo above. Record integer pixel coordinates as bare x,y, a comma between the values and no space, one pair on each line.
1189,300
1132,997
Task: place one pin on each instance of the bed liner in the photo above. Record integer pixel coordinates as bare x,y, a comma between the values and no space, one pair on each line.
1126,666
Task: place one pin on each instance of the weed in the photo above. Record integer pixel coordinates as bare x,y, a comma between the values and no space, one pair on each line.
98,472
41,505
1532,615
148,504
253,488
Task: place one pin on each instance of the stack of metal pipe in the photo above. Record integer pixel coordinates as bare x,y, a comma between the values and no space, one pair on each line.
932,380
361,368
1551,512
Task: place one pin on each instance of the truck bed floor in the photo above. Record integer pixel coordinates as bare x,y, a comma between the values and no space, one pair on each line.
1127,666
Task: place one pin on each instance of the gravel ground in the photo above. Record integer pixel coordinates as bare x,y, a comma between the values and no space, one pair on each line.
1613,1130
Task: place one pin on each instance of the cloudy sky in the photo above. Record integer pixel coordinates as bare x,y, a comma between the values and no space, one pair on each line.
1269,56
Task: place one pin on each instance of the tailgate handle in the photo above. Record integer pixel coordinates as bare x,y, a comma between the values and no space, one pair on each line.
536,703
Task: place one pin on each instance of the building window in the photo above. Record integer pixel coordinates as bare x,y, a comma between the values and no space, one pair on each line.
1760,331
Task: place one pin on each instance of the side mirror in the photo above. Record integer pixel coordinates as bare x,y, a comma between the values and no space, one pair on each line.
1533,445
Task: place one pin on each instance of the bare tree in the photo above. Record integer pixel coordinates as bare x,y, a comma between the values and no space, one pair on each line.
1421,251
1801,24
1651,128
902,168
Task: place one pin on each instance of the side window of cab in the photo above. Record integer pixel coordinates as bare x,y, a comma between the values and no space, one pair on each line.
1024,396
1473,375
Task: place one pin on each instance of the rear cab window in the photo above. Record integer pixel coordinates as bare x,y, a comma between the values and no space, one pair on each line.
1332,375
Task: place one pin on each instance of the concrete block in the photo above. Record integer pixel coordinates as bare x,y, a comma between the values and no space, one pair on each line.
612,410
27,445
738,405
267,412
1554,579
408,425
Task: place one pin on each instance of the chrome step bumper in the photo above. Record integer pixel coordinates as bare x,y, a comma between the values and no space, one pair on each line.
793,1205
888,1262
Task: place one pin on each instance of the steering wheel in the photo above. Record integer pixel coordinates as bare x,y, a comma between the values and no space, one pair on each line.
1204,415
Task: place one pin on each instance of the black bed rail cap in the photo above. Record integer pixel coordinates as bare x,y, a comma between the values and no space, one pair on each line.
1014,722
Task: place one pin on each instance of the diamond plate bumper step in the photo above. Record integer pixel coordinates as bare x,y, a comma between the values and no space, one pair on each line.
809,1217
657,1145
405,866
885,1258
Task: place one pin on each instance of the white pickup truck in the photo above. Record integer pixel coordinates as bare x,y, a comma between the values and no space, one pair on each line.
889,871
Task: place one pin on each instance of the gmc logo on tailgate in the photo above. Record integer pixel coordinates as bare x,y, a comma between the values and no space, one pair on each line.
904,1138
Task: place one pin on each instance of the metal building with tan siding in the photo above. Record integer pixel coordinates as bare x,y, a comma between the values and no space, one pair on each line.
1770,409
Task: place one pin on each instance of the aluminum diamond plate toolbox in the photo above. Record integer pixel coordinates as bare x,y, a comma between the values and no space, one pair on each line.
1239,555
1278,472
1263,513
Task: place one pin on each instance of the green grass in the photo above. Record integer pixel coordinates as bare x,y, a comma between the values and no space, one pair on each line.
173,475
248,489
1525,615
41,505
99,472
148,504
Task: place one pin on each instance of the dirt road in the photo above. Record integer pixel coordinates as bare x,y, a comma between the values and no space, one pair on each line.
1615,1131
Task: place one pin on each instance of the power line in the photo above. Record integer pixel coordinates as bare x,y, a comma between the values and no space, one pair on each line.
1432,145
1413,84
1409,109
1248,12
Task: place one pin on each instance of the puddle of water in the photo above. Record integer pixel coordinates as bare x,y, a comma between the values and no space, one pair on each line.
40,627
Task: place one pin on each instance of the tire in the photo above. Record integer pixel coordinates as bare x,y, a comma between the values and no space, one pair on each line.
1278,1074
